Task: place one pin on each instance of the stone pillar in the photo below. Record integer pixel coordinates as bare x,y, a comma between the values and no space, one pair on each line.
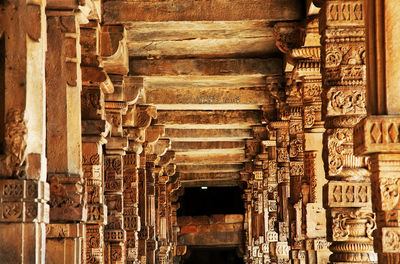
256,197
23,188
173,189
95,83
131,217
153,133
283,174
307,70
350,220
143,233
97,211
68,208
377,136
115,234
162,216
272,189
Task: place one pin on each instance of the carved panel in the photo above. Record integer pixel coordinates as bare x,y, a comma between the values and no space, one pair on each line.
349,194
345,13
377,134
391,240
351,225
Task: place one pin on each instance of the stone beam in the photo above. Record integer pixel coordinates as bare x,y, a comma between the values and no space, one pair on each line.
183,39
209,158
207,145
204,119
208,176
116,12
237,66
206,98
209,168
206,92
208,183
207,134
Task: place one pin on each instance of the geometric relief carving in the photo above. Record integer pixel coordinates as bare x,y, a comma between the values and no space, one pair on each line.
96,213
296,168
23,201
345,13
282,250
114,235
349,194
377,134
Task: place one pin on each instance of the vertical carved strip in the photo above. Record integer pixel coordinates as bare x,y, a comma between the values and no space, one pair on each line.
349,213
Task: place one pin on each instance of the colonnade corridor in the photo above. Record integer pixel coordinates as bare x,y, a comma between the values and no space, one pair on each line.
199,131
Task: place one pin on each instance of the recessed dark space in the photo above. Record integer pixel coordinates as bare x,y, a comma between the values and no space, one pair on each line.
212,256
213,200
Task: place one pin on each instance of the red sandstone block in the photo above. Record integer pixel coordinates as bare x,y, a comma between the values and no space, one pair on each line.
204,228
184,220
188,229
217,218
200,220
238,227
233,218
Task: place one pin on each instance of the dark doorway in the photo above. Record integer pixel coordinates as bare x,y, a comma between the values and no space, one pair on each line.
213,200
212,256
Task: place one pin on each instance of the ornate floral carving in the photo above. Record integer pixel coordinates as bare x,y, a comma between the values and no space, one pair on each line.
352,224
346,102
391,240
390,193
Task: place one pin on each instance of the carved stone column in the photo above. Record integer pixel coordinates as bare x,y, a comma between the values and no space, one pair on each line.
68,204
283,174
377,136
115,234
350,220
153,133
162,215
131,217
257,197
23,188
95,83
